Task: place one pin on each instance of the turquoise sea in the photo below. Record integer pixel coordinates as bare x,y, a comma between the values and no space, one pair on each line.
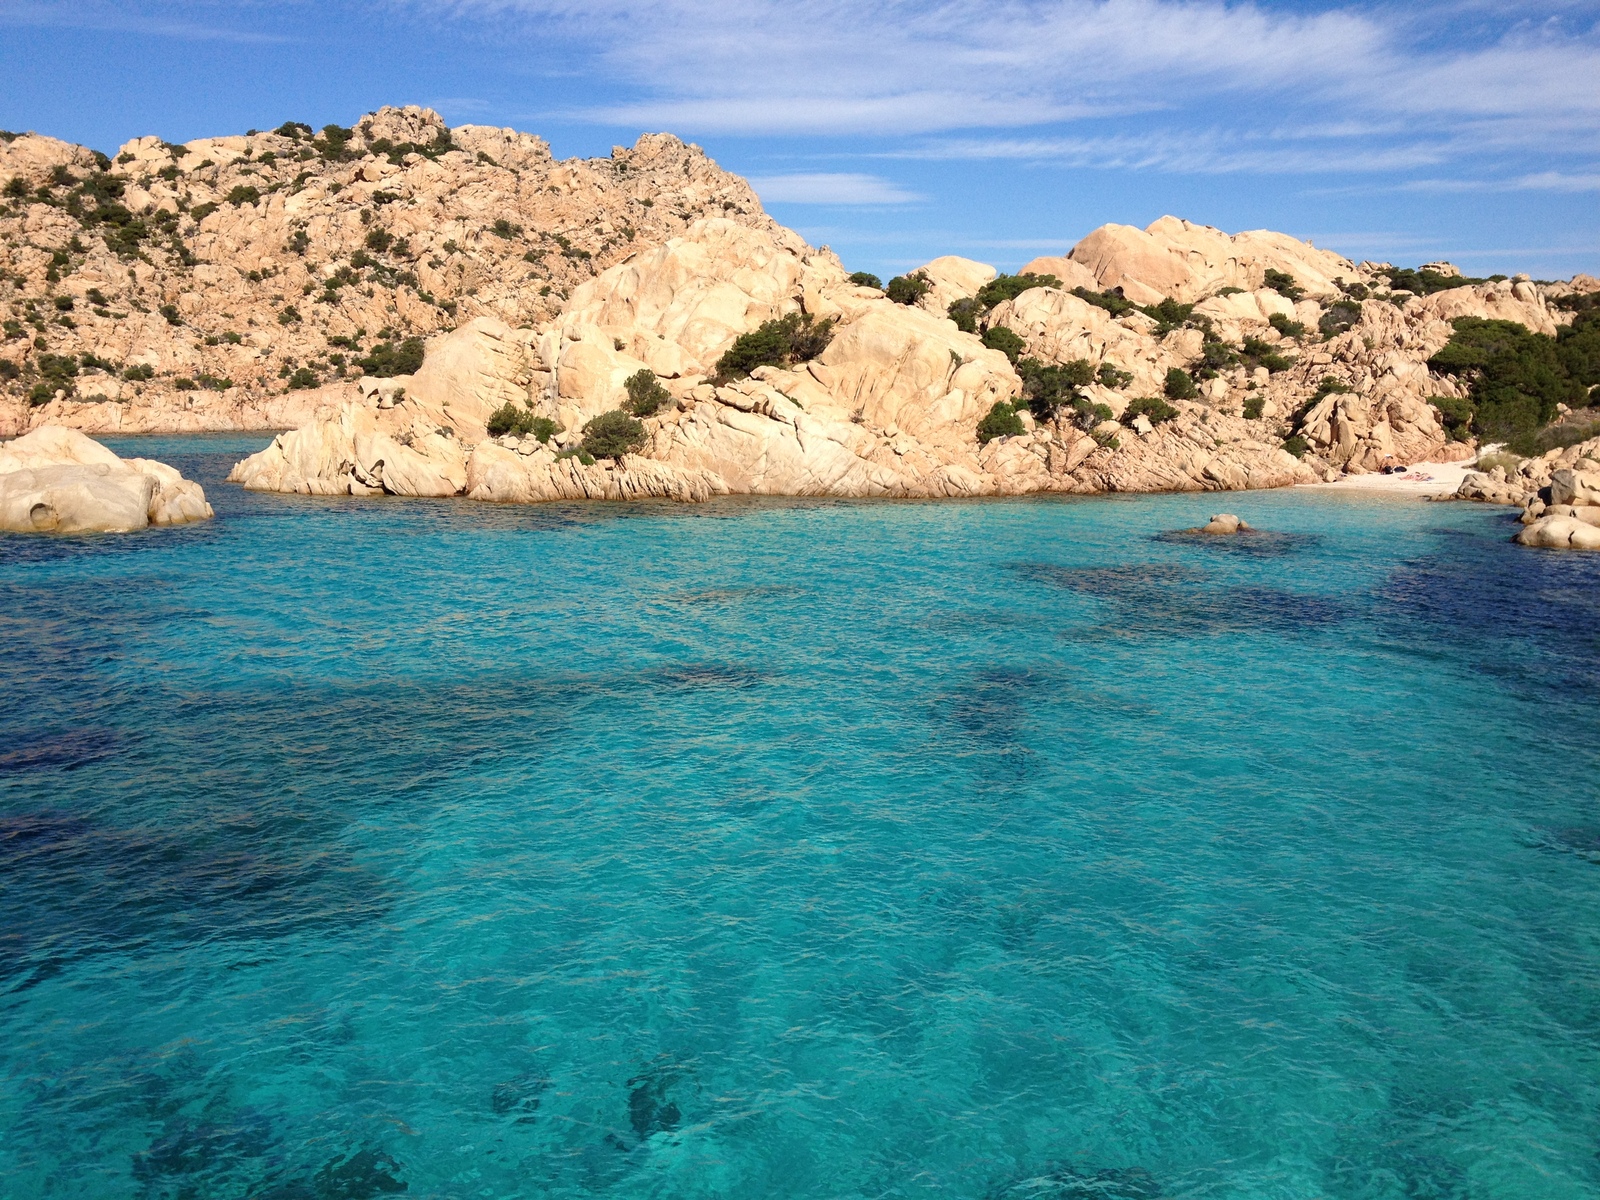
1001,850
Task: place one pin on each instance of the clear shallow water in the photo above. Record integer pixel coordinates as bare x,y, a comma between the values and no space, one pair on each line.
798,849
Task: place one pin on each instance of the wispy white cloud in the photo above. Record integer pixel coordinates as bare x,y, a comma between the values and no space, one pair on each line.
1205,152
830,188
788,66
1543,181
95,15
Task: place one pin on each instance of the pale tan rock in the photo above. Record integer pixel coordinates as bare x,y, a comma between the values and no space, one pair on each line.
57,480
1072,274
1225,523
1560,533
953,278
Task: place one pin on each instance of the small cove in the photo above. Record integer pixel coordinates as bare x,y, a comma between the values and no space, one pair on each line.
798,848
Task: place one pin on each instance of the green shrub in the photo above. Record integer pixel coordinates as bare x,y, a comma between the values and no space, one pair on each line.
1230,291
289,316
17,188
1283,283
293,130
1553,438
1113,377
214,383
509,418
965,314
1214,355
64,303
1004,340
9,370
1340,316
1455,414
170,312
1425,283
184,385
866,279
301,378
201,211
41,393
1001,421
783,342
1048,390
613,434
908,289
1578,348
1169,315
386,359
1518,377
1296,445
1266,355
139,372
503,228
1008,287
93,362
1287,327
1114,302
1179,385
1253,407
379,240
1152,408
244,194
646,396
334,144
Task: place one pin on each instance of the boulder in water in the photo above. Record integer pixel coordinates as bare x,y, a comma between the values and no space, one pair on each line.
1225,523
56,480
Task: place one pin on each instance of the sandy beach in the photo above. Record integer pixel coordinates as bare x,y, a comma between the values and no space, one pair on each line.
1422,479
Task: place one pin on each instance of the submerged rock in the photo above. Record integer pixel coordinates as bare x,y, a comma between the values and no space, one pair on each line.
1225,523
56,480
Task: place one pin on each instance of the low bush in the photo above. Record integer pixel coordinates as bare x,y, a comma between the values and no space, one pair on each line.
1425,283
1111,376
64,303
9,370
1114,302
1455,414
290,315
1152,408
1214,355
1049,389
1169,315
613,434
201,211
646,396
965,313
866,279
1296,445
379,240
1004,340
244,194
511,418
1283,283
139,373
1287,327
1254,405
1264,354
302,378
1008,287
1555,437
783,342
908,289
1002,421
1179,385
186,385
1339,316
170,313
386,359
503,228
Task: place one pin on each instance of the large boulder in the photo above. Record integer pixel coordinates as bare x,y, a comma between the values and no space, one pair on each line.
953,278
56,480
1177,259
1560,533
363,451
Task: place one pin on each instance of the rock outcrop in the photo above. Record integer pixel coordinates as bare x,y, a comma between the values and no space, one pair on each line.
385,289
213,285
56,480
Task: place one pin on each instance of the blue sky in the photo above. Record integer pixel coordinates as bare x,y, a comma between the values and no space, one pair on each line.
894,132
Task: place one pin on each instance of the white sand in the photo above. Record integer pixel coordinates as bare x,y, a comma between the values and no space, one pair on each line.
1422,479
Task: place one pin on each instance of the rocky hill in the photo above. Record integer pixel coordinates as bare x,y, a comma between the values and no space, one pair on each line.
211,285
444,312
